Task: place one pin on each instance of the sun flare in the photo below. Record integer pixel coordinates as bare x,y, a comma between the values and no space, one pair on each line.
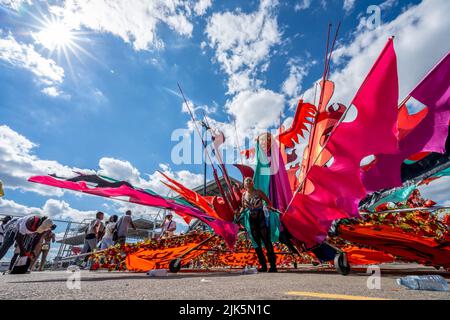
56,35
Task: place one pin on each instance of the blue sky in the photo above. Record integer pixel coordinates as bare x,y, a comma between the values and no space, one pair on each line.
111,103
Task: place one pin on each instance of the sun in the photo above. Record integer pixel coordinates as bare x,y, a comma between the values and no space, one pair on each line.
56,35
59,38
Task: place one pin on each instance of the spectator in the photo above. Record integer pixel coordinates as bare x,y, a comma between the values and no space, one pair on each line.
107,240
2,228
169,226
94,233
32,244
43,246
122,227
16,230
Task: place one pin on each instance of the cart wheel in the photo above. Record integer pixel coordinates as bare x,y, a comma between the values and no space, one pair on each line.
175,265
341,264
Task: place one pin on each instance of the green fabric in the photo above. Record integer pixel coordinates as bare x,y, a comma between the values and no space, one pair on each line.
261,180
261,177
274,226
397,196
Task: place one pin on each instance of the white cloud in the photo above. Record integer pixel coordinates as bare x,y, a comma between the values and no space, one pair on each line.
388,4
421,41
25,56
201,6
302,5
292,86
18,163
124,170
51,91
14,4
135,21
58,209
10,207
255,111
348,5
55,209
243,43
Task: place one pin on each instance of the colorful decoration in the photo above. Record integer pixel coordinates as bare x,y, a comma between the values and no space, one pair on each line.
125,192
303,116
157,254
429,134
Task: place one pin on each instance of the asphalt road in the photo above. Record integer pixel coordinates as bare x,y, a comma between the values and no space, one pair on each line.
305,283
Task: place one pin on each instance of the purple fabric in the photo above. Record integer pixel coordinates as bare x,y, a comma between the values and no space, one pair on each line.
429,135
280,192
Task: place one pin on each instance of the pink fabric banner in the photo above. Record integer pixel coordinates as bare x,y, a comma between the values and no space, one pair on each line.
429,135
338,189
227,230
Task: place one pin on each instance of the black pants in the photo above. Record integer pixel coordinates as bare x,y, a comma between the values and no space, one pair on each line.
261,234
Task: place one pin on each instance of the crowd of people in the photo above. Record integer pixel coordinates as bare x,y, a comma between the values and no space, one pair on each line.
31,237
100,236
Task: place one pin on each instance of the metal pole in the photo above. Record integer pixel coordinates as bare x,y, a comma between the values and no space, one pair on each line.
205,133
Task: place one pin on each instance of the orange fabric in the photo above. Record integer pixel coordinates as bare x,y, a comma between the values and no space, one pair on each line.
248,259
145,260
303,115
407,246
328,91
185,217
363,256
191,196
292,176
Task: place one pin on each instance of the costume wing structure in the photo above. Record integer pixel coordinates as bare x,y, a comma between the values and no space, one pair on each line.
122,190
337,189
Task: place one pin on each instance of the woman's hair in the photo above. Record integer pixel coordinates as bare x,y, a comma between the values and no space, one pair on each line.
113,218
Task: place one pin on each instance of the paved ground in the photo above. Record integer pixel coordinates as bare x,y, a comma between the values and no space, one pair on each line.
305,283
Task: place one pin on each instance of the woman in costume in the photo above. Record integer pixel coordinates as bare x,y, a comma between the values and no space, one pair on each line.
253,202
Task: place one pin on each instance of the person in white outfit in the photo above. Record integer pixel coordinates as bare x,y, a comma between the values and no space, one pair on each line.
169,226
107,240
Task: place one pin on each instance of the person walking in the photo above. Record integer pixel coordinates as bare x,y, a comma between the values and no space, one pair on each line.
107,240
94,233
122,227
